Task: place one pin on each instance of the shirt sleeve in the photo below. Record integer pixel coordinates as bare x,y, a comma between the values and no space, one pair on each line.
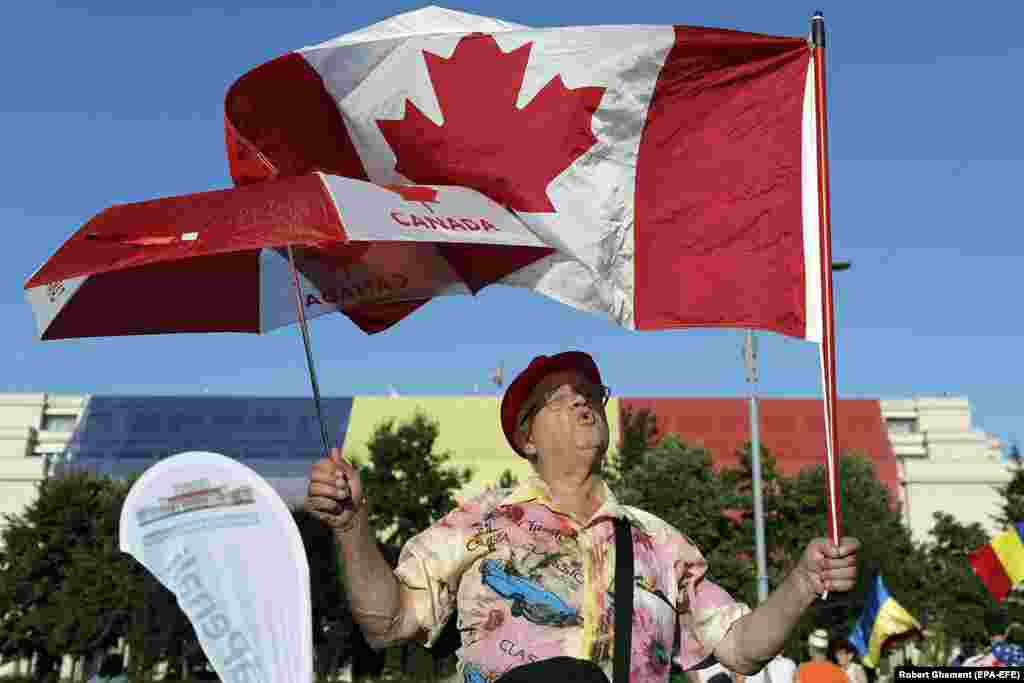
706,611
431,565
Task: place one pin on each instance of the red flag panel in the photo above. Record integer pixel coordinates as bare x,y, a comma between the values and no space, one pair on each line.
990,570
718,203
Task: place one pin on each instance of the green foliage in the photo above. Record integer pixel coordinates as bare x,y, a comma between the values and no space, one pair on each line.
334,630
639,434
677,483
64,583
1011,509
799,512
409,487
406,482
507,480
782,547
957,600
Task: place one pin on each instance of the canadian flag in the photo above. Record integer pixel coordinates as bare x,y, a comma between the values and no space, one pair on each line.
673,168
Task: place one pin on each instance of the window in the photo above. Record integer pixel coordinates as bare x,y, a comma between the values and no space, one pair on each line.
59,423
902,425
147,423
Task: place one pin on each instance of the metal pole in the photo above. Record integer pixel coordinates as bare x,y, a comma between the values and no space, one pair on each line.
300,306
750,357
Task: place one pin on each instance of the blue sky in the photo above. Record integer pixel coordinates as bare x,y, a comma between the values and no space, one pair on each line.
110,102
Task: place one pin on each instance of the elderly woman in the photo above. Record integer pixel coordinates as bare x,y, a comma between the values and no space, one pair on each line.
529,571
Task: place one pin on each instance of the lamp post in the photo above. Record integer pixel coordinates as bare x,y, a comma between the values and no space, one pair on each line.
750,362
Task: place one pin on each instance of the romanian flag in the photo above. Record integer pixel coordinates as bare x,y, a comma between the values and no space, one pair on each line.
1000,564
881,619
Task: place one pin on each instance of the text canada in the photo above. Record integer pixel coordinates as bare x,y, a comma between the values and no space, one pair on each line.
412,220
351,292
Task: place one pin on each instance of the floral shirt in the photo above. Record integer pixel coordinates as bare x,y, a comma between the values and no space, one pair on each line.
530,583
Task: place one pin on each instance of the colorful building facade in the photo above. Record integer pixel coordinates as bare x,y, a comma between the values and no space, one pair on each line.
924,449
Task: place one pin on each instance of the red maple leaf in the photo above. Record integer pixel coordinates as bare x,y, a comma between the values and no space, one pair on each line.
414,193
486,142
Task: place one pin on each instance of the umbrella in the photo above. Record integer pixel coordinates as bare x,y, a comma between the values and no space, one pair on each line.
256,258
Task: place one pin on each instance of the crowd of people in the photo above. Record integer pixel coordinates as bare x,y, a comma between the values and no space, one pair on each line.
828,661
836,660
1005,647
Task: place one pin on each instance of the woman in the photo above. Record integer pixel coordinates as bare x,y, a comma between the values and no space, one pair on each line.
845,656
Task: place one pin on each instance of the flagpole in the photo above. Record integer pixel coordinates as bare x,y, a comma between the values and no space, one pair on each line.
750,359
300,306
828,341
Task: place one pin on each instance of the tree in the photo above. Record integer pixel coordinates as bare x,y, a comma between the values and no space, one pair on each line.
639,435
1014,456
796,511
507,480
66,589
781,551
677,483
409,487
1011,509
99,583
407,484
957,600
61,592
334,629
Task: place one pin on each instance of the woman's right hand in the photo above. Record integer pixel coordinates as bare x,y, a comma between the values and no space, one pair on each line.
335,495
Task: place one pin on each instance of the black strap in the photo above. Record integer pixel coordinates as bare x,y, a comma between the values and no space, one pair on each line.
623,599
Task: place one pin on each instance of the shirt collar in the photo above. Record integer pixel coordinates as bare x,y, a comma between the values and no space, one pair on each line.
536,490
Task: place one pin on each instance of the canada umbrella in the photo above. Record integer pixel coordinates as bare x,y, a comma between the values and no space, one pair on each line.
256,258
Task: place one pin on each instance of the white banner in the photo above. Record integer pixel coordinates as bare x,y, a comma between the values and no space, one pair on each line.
220,538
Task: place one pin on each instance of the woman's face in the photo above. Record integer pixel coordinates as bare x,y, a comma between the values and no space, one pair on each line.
844,657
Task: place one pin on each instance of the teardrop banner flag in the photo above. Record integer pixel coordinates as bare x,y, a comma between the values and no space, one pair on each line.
221,539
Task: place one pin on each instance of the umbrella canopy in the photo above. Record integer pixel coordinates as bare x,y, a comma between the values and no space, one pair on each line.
218,261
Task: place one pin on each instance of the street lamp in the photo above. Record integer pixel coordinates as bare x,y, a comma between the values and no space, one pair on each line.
750,361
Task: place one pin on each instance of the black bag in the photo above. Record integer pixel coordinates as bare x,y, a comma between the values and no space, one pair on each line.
569,668
556,669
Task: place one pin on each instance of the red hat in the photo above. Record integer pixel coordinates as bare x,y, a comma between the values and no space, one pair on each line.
523,385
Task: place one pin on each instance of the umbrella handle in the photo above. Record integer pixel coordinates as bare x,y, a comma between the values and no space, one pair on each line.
309,353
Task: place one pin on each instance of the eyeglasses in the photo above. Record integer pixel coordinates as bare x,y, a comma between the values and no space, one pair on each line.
557,399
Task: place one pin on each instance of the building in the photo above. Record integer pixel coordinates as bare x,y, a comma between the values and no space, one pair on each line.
946,465
792,429
925,449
